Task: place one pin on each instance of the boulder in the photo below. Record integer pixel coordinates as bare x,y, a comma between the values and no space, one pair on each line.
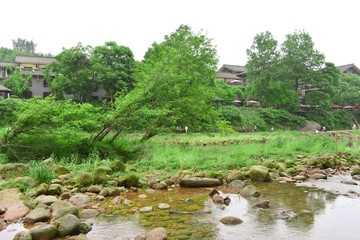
61,208
94,189
104,192
163,206
250,191
262,204
146,209
130,180
10,170
117,201
199,182
81,237
43,232
85,179
237,184
25,181
108,170
61,170
157,234
355,171
217,199
69,225
37,215
113,192
118,166
47,200
259,174
23,235
84,227
79,200
318,176
42,189
230,220
99,176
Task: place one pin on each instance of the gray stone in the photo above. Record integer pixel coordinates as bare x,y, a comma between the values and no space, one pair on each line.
259,174
199,182
262,204
150,191
69,225
114,192
61,208
42,189
37,215
146,209
85,179
61,170
94,189
47,200
88,213
160,186
43,232
55,189
11,170
237,184
318,176
23,235
163,206
250,191
118,166
217,199
79,200
84,227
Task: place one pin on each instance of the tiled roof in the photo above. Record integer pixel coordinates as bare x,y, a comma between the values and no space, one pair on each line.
4,89
3,64
33,59
227,75
343,68
233,68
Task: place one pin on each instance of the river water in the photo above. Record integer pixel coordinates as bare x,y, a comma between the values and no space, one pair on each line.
296,212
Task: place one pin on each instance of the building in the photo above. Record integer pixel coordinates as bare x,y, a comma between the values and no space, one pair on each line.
350,68
233,75
37,86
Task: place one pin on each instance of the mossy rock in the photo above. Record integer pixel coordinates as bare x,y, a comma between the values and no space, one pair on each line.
259,174
271,165
291,171
10,170
108,170
311,162
99,176
289,163
85,179
238,175
42,189
118,166
282,166
199,174
213,174
356,171
231,167
25,181
130,180
61,170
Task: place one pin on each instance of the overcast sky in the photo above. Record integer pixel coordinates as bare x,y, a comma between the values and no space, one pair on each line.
333,25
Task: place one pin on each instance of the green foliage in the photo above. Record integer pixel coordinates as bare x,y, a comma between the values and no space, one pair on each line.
41,172
263,118
337,119
9,55
228,93
24,45
349,90
114,65
8,108
74,73
17,82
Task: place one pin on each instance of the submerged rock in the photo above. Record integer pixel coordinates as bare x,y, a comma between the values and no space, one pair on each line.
230,220
250,191
237,184
157,234
199,182
262,204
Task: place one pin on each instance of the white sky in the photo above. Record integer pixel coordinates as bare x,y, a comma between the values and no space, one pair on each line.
332,24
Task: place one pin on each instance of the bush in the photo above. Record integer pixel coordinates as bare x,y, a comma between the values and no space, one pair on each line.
337,119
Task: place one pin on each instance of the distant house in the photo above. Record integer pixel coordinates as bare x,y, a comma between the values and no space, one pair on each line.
350,68
4,92
232,74
37,86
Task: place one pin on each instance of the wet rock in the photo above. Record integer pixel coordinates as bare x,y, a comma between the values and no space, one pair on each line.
213,192
79,200
217,199
100,198
45,199
299,178
127,202
262,204
189,201
11,170
349,182
199,182
146,209
142,196
104,192
355,171
283,174
163,206
318,176
286,180
37,215
65,195
237,184
84,227
99,176
271,165
85,179
43,232
213,174
160,186
88,213
157,234
23,235
61,170
69,225
118,166
259,174
15,212
81,237
286,214
250,191
2,225
227,200
230,220
139,237
94,189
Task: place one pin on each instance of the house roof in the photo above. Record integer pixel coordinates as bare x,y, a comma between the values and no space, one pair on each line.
33,59
4,89
344,68
233,68
3,64
227,75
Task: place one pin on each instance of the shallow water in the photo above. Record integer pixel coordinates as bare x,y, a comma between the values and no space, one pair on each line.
313,214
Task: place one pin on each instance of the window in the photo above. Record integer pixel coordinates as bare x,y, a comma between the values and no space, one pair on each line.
45,84
30,83
27,94
45,94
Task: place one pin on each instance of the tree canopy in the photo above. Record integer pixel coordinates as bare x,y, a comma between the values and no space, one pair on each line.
17,82
24,45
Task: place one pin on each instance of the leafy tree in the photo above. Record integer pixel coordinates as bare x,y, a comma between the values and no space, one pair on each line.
8,108
228,93
17,82
24,45
74,72
113,65
175,87
300,61
349,90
